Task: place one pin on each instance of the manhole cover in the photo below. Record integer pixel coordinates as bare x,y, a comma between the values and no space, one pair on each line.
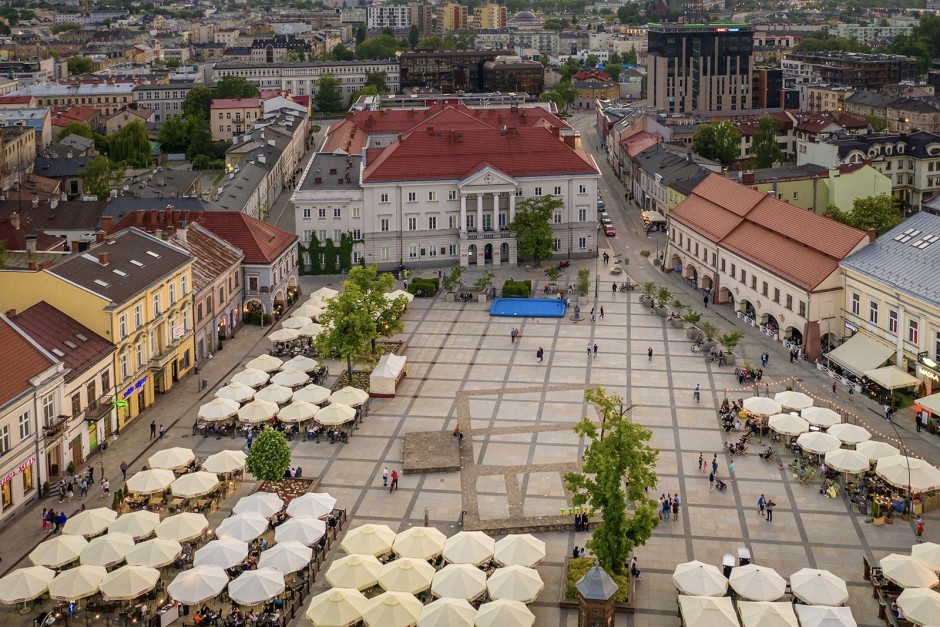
184,436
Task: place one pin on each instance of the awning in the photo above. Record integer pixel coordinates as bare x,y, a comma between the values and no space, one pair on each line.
654,216
892,377
930,403
860,354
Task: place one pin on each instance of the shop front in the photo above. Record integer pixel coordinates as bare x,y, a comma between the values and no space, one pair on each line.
18,484
133,398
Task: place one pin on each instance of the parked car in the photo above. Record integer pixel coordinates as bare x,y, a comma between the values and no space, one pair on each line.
600,205
605,218
609,230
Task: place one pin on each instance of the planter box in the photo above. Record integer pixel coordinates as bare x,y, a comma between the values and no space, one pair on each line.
481,298
646,300
730,359
662,312
693,333
931,503
677,323
878,521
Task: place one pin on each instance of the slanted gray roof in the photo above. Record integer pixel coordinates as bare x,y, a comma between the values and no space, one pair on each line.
596,585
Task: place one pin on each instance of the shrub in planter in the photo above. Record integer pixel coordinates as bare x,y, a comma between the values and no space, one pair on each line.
45,488
709,330
645,253
647,290
70,468
518,289
552,273
731,340
423,287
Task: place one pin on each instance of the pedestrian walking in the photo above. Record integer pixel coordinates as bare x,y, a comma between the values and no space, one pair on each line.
764,358
61,519
731,470
595,350
385,477
106,486
770,510
602,312
705,300
161,432
613,288
55,522
761,505
250,439
124,470
539,354
711,481
662,497
61,490
888,412
394,485
71,491
635,569
589,350
45,523
666,506
153,429
697,393
675,507
83,487
918,421
834,392
512,336
715,464
920,529
649,353
701,462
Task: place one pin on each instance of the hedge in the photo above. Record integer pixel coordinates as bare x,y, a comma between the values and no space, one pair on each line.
423,287
257,318
520,289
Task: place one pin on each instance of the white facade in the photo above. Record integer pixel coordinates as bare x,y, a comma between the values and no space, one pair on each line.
395,16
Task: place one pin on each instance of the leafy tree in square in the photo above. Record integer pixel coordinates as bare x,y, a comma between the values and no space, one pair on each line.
532,227
269,455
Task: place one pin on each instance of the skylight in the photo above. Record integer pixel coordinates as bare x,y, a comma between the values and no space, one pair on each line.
70,344
907,235
81,337
119,272
101,283
58,352
137,263
153,254
925,241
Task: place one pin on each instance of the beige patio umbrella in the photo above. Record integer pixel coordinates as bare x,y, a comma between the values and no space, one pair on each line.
313,329
284,335
707,611
129,582
252,377
521,549
265,503
195,484
309,310
818,442
296,322
297,411
757,583
182,527
401,294
337,607
908,473
150,481
788,424
849,433
767,614
76,583
58,551
392,609
273,393
696,578
818,587
459,581
107,550
199,584
848,461
287,557
257,411
821,616
218,409
349,396
406,574
821,416
245,527
335,414
921,606
908,572
928,553
322,295
369,539
762,406
420,542
225,462
354,571
876,449
312,393
306,531
892,378
446,612
311,505
171,458
267,363
291,379
300,363
25,584
793,400
155,553
518,583
256,586
504,612
238,392
469,547
89,523
222,553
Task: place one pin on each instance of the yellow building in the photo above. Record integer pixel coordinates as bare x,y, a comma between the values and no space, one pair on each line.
814,188
131,289
232,117
453,17
491,16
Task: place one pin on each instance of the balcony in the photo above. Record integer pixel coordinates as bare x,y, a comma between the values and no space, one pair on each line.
55,427
99,408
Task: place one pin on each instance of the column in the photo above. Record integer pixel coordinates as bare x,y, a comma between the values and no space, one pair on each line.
479,213
512,206
463,214
899,353
496,211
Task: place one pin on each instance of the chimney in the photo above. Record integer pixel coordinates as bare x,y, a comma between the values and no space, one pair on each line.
30,243
571,140
556,131
74,247
35,202
53,203
170,230
183,231
99,237
107,223
10,313
747,178
872,235
15,221
103,258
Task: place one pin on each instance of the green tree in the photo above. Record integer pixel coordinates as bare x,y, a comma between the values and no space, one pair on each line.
614,57
614,70
453,280
566,93
361,34
340,53
198,102
880,213
765,151
629,57
234,87
731,340
100,176
348,328
413,36
387,312
328,98
532,227
630,14
174,135
583,284
719,141
269,456
131,146
878,123
618,467
64,28
381,47
431,43
592,60
569,69
377,79
76,128
80,65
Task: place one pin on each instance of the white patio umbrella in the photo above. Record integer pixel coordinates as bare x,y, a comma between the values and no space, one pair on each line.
256,586
793,400
129,582
928,553
155,553
459,581
300,363
312,393
349,396
306,531
518,583
150,481
876,449
369,539
469,547
284,335
818,442
107,550
199,584
788,424
849,433
322,295
251,377
91,522
296,322
265,503
311,505
707,611
267,363
762,406
908,473
821,416
519,549
504,612
58,551
400,294
354,571
309,310
182,527
406,574
291,379
257,411
238,392
696,578
848,461
225,462
297,411
337,607
420,542
195,484
392,609
757,583
223,553
335,414
767,614
25,584
76,583
921,606
313,329
821,616
447,613
818,587
287,557
273,393
171,458
908,572
245,527
218,409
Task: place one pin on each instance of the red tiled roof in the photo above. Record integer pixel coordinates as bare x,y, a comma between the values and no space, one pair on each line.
15,239
638,142
261,242
20,361
64,117
15,99
234,103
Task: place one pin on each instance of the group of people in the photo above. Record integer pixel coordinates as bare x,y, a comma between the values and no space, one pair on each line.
53,522
80,484
581,522
669,503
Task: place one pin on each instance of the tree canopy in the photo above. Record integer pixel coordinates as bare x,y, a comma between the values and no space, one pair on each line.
532,227
198,102
381,47
377,79
80,65
765,151
923,43
348,328
269,456
234,87
100,176
822,41
631,14
76,128
719,141
880,213
375,287
131,146
329,98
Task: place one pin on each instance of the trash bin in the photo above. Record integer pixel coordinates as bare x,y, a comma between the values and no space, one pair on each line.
727,563
744,556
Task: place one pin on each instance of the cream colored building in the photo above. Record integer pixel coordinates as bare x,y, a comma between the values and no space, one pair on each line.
231,117
490,16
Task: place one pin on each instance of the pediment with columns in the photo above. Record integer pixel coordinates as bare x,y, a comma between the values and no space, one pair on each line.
485,179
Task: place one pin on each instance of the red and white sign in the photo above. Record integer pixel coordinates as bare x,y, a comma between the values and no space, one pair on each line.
29,462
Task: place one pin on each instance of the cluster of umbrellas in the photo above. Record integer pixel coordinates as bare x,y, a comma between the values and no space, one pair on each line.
917,574
164,464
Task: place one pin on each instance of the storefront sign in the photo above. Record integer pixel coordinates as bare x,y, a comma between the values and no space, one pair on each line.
928,374
851,327
29,462
178,332
137,385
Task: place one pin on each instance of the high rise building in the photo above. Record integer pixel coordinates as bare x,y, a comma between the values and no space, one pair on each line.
394,16
453,17
700,68
422,16
491,15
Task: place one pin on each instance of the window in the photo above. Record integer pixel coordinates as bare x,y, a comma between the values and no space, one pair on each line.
171,289
743,276
432,223
321,212
139,354
432,196
582,243
198,312
383,225
518,192
138,317
734,271
28,483
307,213
413,252
856,304
452,195
582,189
538,191
722,265
24,425
122,326
803,308
789,303
764,288
384,252
557,191
912,331
48,409
4,447
321,236
124,373
77,404
383,197
893,321
753,282
412,197
556,244
412,224
337,212
776,295
356,212
252,283
582,215
156,305
873,312
558,217
936,346
796,195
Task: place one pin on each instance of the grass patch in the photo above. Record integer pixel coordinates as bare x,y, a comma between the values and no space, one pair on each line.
577,567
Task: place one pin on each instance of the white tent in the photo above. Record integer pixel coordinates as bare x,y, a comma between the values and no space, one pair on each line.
384,378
